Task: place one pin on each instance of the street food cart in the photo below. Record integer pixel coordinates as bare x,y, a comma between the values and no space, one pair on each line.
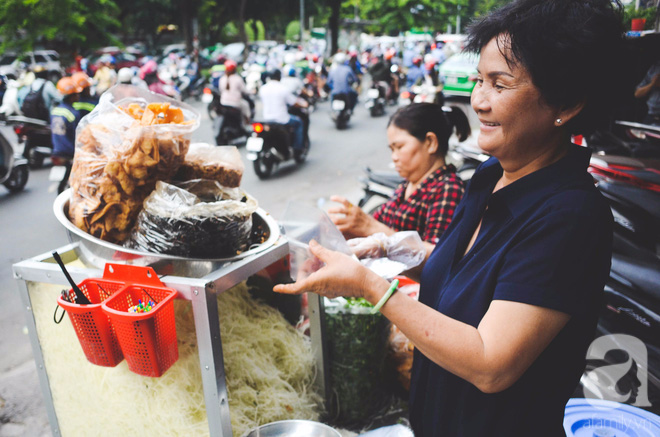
196,280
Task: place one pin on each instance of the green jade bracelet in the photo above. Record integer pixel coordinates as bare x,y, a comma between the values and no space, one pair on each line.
390,291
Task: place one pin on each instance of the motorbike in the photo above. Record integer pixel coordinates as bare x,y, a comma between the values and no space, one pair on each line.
379,184
36,135
59,173
271,144
632,292
191,86
14,169
340,112
627,139
376,100
424,93
211,97
230,127
252,76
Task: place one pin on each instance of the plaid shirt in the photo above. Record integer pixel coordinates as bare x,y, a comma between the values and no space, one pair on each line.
429,209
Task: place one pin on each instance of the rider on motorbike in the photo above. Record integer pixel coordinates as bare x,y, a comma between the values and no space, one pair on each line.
275,99
63,122
86,102
415,72
341,78
233,92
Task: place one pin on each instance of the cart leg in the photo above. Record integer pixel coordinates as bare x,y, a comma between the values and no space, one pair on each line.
38,357
207,328
317,333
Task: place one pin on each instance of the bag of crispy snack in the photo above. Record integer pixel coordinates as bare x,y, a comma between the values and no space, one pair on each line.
216,163
131,140
196,219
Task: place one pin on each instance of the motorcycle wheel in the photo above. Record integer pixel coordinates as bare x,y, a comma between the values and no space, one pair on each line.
263,167
18,179
35,160
213,114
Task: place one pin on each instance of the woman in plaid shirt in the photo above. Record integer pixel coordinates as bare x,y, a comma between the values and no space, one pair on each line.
418,136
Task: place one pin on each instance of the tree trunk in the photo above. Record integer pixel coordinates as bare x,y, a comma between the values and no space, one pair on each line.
241,25
333,23
186,24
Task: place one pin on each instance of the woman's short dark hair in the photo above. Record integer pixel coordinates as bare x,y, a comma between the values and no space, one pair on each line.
573,49
418,119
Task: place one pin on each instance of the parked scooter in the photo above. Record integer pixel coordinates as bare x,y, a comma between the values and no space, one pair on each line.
379,184
272,144
632,293
36,135
14,169
340,112
191,86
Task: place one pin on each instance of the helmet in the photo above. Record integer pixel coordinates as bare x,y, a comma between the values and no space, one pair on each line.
292,72
149,68
125,75
417,60
428,58
107,59
340,58
38,69
389,54
430,65
230,66
315,58
353,54
289,58
67,86
81,79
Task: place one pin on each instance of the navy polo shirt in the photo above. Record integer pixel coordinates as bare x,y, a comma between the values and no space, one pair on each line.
545,240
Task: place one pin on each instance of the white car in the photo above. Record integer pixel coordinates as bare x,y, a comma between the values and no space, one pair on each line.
12,64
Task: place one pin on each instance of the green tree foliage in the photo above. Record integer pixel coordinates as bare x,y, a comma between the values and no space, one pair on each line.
74,23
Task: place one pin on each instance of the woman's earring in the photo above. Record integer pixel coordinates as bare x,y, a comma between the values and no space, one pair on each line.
558,121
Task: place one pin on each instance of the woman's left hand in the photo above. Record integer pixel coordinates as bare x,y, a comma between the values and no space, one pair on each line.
352,221
341,276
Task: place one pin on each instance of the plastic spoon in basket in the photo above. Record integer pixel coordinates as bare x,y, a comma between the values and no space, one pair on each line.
81,299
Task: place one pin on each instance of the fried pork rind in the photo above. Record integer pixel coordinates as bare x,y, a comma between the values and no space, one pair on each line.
218,163
131,140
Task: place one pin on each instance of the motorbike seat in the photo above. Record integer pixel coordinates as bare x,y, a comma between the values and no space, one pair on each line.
643,274
387,178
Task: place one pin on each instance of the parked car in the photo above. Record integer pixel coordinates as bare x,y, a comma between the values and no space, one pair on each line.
459,74
13,64
122,60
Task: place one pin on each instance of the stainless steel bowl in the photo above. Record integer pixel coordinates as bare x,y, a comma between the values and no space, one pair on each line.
293,428
95,252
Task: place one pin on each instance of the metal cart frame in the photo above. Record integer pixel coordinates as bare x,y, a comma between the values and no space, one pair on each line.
202,292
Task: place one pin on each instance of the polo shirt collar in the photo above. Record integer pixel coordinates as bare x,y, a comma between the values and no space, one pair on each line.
526,191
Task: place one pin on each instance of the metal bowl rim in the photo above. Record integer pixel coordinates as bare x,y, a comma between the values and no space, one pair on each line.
62,201
292,421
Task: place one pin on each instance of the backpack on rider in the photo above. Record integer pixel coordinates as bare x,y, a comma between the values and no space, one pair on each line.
34,104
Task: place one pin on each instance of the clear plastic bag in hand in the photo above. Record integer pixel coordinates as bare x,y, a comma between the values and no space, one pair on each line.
389,255
303,223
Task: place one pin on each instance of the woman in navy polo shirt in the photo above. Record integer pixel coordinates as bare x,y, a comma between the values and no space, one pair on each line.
510,296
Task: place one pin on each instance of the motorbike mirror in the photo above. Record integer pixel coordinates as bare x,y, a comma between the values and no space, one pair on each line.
394,68
258,127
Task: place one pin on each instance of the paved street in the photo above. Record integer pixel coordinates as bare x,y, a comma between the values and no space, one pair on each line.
28,228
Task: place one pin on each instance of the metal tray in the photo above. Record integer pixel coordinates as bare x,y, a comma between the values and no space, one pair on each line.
95,252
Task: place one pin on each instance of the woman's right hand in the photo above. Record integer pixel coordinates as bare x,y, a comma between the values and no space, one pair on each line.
340,276
352,221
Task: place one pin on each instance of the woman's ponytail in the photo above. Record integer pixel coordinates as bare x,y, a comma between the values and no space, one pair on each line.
459,121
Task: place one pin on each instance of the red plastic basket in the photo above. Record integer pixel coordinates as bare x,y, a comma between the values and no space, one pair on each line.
93,328
148,340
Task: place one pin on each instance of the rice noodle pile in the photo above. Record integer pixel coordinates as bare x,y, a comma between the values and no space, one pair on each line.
269,368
